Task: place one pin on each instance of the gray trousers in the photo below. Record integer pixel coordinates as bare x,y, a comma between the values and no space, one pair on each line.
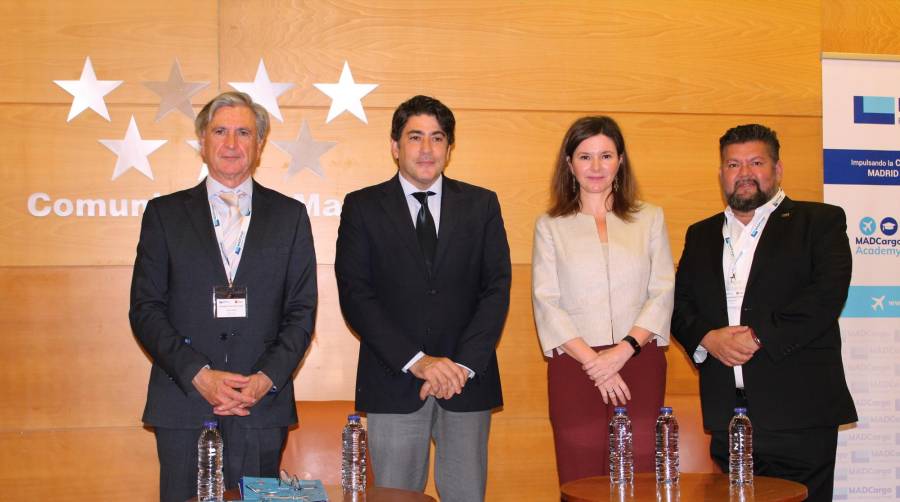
399,445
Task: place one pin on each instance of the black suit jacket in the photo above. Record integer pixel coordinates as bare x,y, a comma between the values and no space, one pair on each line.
795,292
397,309
177,266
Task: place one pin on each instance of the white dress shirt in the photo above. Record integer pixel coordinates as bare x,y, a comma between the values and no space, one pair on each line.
737,257
219,210
434,206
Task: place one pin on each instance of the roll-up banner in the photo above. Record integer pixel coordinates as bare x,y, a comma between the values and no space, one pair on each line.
861,154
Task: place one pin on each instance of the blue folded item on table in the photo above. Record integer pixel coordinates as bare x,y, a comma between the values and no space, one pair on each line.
311,490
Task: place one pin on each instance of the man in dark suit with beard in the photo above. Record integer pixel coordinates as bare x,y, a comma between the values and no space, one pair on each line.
223,301
758,293
423,274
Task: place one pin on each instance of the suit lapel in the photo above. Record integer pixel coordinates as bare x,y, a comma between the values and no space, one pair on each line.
716,247
393,201
451,204
773,233
260,217
197,207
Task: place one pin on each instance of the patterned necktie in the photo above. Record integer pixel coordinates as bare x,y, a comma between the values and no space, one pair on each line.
231,224
425,229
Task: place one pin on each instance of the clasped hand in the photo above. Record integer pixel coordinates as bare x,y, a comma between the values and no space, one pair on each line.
443,377
732,345
604,369
231,393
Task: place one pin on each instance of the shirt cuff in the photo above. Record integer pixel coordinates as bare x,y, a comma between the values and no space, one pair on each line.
414,360
274,388
700,354
468,369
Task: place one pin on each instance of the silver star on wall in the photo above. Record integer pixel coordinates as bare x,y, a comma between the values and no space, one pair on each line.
88,91
175,93
132,151
204,169
264,91
304,152
346,95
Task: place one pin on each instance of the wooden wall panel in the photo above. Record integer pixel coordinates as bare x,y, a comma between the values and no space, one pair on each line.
116,463
675,157
675,75
67,346
861,26
48,40
652,56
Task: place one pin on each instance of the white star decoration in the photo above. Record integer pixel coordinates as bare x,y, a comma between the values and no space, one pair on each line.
264,91
175,94
305,152
132,151
204,169
346,95
88,91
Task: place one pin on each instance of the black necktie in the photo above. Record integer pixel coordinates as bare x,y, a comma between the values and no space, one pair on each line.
425,229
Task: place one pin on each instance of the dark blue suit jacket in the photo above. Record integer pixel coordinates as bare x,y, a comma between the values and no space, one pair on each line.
177,266
398,309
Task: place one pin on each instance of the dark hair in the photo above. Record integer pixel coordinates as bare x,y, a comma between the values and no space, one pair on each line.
750,132
229,99
564,191
423,105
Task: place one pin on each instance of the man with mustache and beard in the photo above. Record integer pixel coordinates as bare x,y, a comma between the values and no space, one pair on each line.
758,292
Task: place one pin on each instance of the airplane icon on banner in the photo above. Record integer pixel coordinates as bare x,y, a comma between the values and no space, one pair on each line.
878,303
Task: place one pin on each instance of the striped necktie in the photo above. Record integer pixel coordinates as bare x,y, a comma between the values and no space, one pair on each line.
231,224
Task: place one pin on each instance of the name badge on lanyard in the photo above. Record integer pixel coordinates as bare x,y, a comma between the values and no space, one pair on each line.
229,302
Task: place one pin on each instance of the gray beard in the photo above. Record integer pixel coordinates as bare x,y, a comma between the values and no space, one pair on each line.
743,205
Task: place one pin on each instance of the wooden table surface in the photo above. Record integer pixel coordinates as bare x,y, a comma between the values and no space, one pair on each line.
372,494
690,488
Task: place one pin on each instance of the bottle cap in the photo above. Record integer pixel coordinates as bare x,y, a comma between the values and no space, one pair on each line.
620,410
740,410
353,417
210,424
665,409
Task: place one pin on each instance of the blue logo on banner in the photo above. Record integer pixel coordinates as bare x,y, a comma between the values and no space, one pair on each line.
862,167
889,226
867,225
872,301
873,110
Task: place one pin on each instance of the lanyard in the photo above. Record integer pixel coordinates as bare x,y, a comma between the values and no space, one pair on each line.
744,243
229,263
747,240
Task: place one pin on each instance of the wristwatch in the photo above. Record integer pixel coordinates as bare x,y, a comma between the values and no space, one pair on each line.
634,344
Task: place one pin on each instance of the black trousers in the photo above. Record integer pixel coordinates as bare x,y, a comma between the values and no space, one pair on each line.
803,455
248,452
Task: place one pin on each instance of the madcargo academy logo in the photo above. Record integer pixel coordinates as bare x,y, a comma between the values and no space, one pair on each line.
132,151
878,237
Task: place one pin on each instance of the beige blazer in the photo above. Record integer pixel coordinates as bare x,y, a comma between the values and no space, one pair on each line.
572,293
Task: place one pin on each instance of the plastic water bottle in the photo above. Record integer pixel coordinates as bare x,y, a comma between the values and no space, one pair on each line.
740,449
210,480
621,457
353,456
666,446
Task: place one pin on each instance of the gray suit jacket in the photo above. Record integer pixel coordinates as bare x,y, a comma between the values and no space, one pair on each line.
177,266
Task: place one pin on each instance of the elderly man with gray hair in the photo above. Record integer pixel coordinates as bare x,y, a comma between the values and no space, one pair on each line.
223,301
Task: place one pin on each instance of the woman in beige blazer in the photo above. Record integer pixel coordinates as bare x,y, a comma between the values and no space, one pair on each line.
603,280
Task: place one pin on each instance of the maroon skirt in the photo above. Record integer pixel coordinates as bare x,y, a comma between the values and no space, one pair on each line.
580,420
